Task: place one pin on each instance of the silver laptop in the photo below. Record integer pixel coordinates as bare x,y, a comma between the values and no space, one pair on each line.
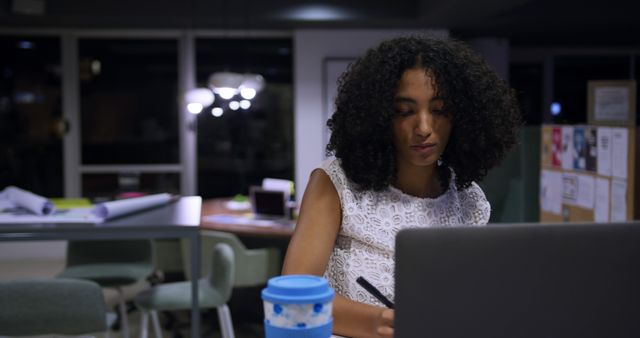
519,281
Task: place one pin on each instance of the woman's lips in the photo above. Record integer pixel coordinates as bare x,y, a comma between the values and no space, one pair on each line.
425,148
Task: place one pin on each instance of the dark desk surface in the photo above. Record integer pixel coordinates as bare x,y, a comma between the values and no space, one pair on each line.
217,206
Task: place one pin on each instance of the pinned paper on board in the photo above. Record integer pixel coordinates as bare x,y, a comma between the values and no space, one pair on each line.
551,191
579,149
619,151
591,135
601,209
604,151
611,103
567,147
586,191
618,200
570,188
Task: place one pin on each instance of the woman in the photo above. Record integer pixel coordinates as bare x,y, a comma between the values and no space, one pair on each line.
417,121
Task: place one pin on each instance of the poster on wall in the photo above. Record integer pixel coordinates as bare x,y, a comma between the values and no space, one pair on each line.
592,148
567,147
579,149
611,102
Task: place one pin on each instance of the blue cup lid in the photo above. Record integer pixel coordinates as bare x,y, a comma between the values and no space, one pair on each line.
297,289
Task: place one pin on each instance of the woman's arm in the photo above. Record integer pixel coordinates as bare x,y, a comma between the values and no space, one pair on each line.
309,251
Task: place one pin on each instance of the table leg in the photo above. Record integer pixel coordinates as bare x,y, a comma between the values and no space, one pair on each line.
195,276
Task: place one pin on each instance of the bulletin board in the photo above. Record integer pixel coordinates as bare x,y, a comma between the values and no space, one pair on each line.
588,172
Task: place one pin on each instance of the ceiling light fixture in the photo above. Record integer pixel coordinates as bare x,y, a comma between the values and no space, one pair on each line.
225,84
198,98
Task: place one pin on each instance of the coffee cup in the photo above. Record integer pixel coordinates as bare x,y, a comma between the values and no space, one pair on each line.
298,306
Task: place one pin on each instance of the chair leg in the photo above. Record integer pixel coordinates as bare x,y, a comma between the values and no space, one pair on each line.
226,325
144,324
122,306
156,324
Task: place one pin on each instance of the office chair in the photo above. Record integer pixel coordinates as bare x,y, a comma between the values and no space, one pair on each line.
111,264
214,292
52,306
254,266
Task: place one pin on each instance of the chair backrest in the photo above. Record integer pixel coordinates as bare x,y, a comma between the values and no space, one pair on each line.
253,266
110,251
51,306
223,268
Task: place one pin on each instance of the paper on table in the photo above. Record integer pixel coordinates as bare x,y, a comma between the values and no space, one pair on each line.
113,209
76,215
241,220
28,200
619,146
601,210
604,151
618,200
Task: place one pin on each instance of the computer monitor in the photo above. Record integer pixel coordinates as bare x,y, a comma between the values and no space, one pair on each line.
519,281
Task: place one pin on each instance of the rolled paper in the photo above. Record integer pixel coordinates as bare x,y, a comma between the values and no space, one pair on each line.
113,209
28,200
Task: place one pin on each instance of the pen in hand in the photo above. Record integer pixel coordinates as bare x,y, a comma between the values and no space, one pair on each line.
374,292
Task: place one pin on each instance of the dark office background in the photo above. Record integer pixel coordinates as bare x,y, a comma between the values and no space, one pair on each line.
129,101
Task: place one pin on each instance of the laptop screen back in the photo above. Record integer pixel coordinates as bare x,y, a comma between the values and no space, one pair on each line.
524,281
268,203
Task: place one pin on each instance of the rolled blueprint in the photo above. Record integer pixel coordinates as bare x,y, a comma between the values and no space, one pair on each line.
117,208
28,200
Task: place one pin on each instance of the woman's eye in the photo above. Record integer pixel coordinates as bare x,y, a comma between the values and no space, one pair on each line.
404,112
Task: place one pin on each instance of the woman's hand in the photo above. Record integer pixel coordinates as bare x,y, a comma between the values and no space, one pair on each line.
385,323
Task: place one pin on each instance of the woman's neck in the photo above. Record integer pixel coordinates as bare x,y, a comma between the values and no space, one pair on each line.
419,181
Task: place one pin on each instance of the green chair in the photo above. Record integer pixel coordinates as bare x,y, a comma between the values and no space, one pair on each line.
51,306
111,264
254,266
214,292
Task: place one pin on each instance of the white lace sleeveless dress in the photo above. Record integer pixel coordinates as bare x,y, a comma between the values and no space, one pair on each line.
371,220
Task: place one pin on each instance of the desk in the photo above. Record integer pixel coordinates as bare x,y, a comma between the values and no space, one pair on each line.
176,220
217,206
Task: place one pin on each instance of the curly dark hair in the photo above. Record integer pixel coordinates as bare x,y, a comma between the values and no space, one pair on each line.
483,110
